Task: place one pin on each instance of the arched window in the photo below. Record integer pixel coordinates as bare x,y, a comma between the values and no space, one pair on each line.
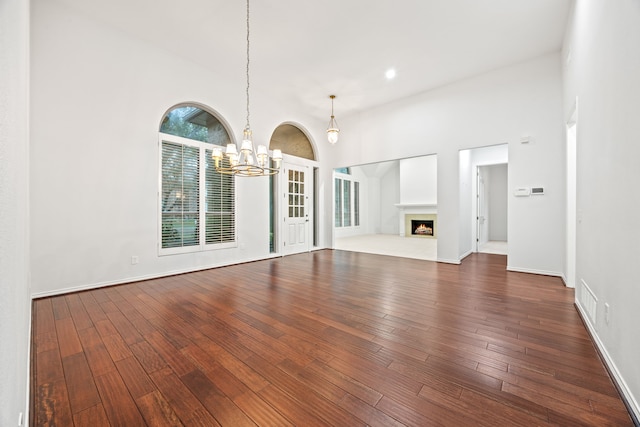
291,140
197,205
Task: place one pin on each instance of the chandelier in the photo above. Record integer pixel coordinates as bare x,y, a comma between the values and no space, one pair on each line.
248,161
332,131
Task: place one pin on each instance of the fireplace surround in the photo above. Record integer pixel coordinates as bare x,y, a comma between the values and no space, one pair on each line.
421,213
429,221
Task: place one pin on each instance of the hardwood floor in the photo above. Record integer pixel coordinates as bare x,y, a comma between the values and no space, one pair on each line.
329,338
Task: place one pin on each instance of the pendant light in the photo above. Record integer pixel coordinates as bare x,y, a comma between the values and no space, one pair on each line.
332,130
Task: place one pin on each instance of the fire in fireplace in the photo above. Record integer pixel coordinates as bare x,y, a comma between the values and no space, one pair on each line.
422,227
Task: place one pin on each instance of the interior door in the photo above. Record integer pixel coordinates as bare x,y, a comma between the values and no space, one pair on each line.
297,185
482,220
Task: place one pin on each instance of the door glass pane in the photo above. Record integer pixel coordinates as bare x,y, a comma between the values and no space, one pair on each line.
296,194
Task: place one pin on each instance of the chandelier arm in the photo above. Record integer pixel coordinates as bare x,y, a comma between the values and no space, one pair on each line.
247,170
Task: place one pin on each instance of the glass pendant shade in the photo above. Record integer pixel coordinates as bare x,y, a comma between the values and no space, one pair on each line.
332,130
332,135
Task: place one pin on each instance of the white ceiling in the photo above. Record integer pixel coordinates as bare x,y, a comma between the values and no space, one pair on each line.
302,50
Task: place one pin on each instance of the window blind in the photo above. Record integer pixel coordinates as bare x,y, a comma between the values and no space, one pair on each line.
180,195
219,199
197,203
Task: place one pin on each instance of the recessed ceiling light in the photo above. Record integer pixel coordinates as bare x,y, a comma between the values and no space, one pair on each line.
390,74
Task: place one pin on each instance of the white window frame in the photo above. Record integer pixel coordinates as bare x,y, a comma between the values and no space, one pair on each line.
352,202
202,246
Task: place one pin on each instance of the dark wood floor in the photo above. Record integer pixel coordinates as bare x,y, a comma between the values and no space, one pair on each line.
329,338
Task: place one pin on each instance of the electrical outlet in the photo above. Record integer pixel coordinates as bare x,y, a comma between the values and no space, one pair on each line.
607,313
134,260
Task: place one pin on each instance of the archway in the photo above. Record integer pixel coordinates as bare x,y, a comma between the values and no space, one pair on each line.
296,202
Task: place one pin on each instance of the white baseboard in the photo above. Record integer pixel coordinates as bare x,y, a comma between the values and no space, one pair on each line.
455,261
87,287
566,282
631,402
122,281
534,271
448,261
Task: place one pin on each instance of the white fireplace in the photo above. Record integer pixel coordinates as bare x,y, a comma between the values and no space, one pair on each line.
418,220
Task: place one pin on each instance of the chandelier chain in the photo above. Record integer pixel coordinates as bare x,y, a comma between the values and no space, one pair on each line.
248,64
247,161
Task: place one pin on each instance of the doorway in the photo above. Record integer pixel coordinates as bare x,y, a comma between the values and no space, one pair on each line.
491,217
293,192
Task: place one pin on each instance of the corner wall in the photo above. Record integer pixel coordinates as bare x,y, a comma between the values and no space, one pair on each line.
96,106
494,108
15,301
601,60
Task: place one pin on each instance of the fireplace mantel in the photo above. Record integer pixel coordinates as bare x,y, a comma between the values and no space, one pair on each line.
415,206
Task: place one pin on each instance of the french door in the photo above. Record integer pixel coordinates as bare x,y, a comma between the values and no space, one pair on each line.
297,185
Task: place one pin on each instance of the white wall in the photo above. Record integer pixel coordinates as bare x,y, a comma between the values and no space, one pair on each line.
497,107
466,204
603,72
372,206
97,102
15,303
389,197
419,180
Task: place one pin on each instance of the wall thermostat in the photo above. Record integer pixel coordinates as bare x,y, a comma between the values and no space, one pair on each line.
537,190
